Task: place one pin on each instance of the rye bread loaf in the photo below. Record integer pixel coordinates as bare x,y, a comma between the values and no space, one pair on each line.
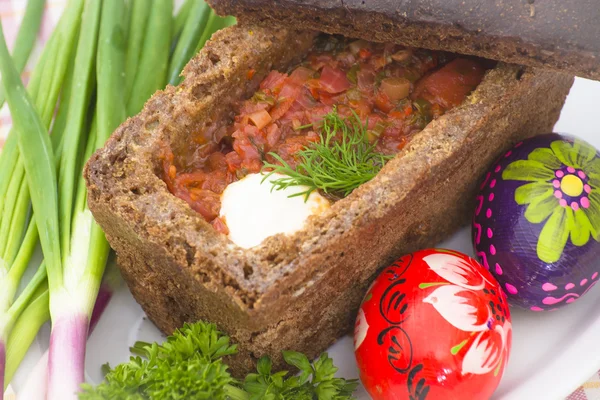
563,35
297,292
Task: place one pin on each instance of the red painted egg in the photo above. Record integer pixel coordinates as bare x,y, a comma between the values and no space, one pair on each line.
433,325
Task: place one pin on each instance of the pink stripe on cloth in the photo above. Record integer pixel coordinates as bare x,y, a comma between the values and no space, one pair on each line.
579,394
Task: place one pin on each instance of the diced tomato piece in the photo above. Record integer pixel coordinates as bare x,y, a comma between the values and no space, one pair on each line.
313,137
317,116
195,179
362,107
274,80
451,84
220,226
273,135
207,203
334,80
296,112
281,108
216,181
328,99
301,74
289,148
320,60
306,99
216,161
234,161
374,119
246,150
252,165
402,142
250,74
365,79
364,53
382,101
250,107
290,91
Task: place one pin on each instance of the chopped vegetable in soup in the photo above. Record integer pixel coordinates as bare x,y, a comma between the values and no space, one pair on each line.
395,91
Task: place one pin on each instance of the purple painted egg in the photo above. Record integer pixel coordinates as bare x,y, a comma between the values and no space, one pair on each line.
537,221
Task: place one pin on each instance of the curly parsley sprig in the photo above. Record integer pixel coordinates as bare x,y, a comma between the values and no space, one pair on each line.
189,365
341,161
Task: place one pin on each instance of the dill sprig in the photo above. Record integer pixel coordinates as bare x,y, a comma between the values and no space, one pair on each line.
340,162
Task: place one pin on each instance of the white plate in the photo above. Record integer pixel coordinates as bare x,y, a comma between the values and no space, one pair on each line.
553,353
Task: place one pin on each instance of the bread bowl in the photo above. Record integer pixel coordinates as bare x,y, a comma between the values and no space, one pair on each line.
296,291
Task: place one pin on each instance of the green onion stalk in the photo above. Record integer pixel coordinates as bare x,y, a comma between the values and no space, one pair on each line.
18,236
28,31
191,32
129,49
25,330
74,282
83,244
38,160
181,17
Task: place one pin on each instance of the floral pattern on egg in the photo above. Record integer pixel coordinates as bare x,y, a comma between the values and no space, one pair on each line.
433,325
537,221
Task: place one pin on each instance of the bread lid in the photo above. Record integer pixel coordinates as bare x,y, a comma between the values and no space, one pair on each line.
562,35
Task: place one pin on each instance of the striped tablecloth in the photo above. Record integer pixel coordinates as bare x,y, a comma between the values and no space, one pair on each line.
11,12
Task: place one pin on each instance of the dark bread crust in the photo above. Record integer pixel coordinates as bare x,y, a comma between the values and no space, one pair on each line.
561,35
299,292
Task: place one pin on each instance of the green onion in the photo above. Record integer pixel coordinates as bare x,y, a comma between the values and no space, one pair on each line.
59,43
64,36
38,160
110,70
66,284
192,32
182,17
16,181
83,80
135,39
26,329
9,284
17,226
35,387
8,162
19,248
58,126
26,36
52,66
10,154
38,280
71,303
154,60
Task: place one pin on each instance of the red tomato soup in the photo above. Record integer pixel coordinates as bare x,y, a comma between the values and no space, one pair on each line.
393,89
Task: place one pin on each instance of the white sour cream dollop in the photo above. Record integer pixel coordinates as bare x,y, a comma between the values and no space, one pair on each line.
253,212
